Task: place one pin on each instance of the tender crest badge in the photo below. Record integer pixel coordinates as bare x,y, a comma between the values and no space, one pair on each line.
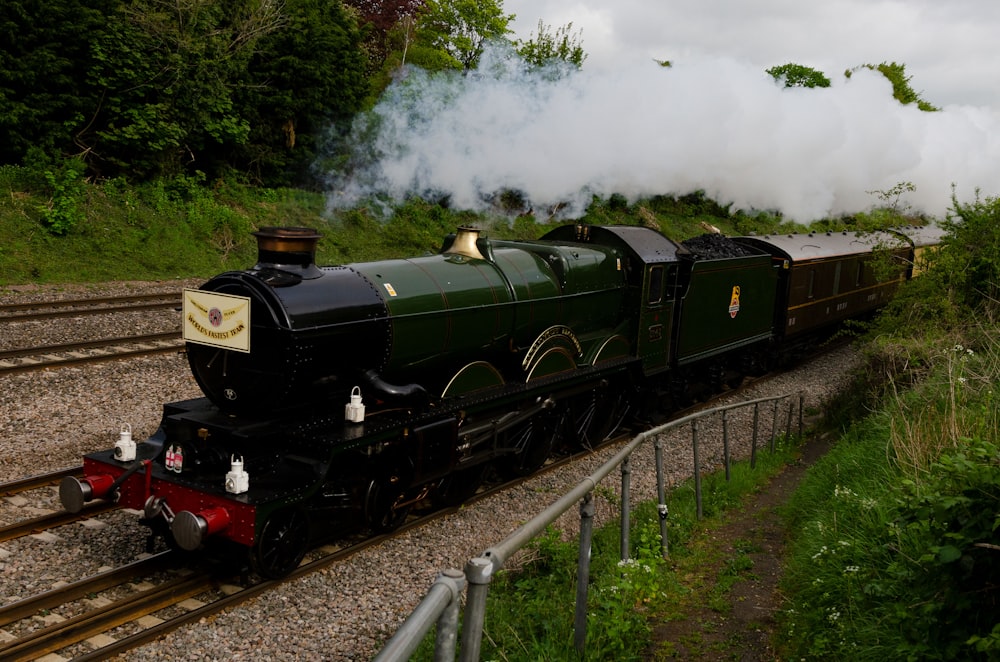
217,320
734,302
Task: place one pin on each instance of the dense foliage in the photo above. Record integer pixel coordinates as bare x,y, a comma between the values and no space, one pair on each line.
44,99
461,28
969,267
164,88
300,80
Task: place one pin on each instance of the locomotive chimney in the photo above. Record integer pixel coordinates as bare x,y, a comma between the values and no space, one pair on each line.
464,243
290,249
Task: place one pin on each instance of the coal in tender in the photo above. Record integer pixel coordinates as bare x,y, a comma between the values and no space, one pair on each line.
715,247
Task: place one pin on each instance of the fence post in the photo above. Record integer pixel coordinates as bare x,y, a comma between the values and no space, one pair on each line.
447,625
625,510
788,422
697,466
478,572
774,424
445,594
661,495
725,441
753,444
583,572
802,402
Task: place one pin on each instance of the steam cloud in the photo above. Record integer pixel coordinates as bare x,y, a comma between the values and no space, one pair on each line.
710,124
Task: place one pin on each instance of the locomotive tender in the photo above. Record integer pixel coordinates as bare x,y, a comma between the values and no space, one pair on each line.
342,396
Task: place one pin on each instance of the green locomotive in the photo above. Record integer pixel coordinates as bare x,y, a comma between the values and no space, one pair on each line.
342,396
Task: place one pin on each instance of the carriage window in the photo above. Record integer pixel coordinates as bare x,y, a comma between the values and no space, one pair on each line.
836,278
861,273
812,284
655,285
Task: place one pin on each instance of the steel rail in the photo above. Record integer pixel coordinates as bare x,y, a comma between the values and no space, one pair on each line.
96,301
161,346
34,482
88,585
74,630
55,314
45,522
87,344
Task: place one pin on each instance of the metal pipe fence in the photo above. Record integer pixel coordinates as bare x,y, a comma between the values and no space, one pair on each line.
442,602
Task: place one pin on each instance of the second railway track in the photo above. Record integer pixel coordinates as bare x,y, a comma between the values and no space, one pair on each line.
14,360
29,359
58,308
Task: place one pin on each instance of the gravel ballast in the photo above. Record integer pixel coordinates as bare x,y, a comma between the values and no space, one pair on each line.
49,420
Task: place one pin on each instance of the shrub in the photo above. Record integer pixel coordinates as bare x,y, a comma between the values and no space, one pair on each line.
968,266
895,554
66,189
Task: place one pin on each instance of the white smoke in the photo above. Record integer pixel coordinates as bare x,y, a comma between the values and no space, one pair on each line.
711,124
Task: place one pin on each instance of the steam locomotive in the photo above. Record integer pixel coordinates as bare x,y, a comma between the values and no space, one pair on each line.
340,397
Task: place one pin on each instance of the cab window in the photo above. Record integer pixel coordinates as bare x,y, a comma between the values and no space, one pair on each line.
655,285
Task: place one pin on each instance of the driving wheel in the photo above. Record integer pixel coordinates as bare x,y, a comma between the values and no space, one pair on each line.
282,543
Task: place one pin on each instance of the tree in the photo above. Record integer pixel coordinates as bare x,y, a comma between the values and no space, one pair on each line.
385,14
167,71
797,75
44,98
546,46
901,89
302,77
380,19
460,28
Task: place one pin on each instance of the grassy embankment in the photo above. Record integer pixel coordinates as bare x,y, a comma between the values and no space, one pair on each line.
55,227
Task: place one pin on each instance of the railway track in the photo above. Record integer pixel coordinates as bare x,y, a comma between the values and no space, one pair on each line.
42,523
98,608
30,359
40,480
115,611
132,605
44,310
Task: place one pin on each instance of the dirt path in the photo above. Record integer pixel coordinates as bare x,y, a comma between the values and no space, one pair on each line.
744,631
